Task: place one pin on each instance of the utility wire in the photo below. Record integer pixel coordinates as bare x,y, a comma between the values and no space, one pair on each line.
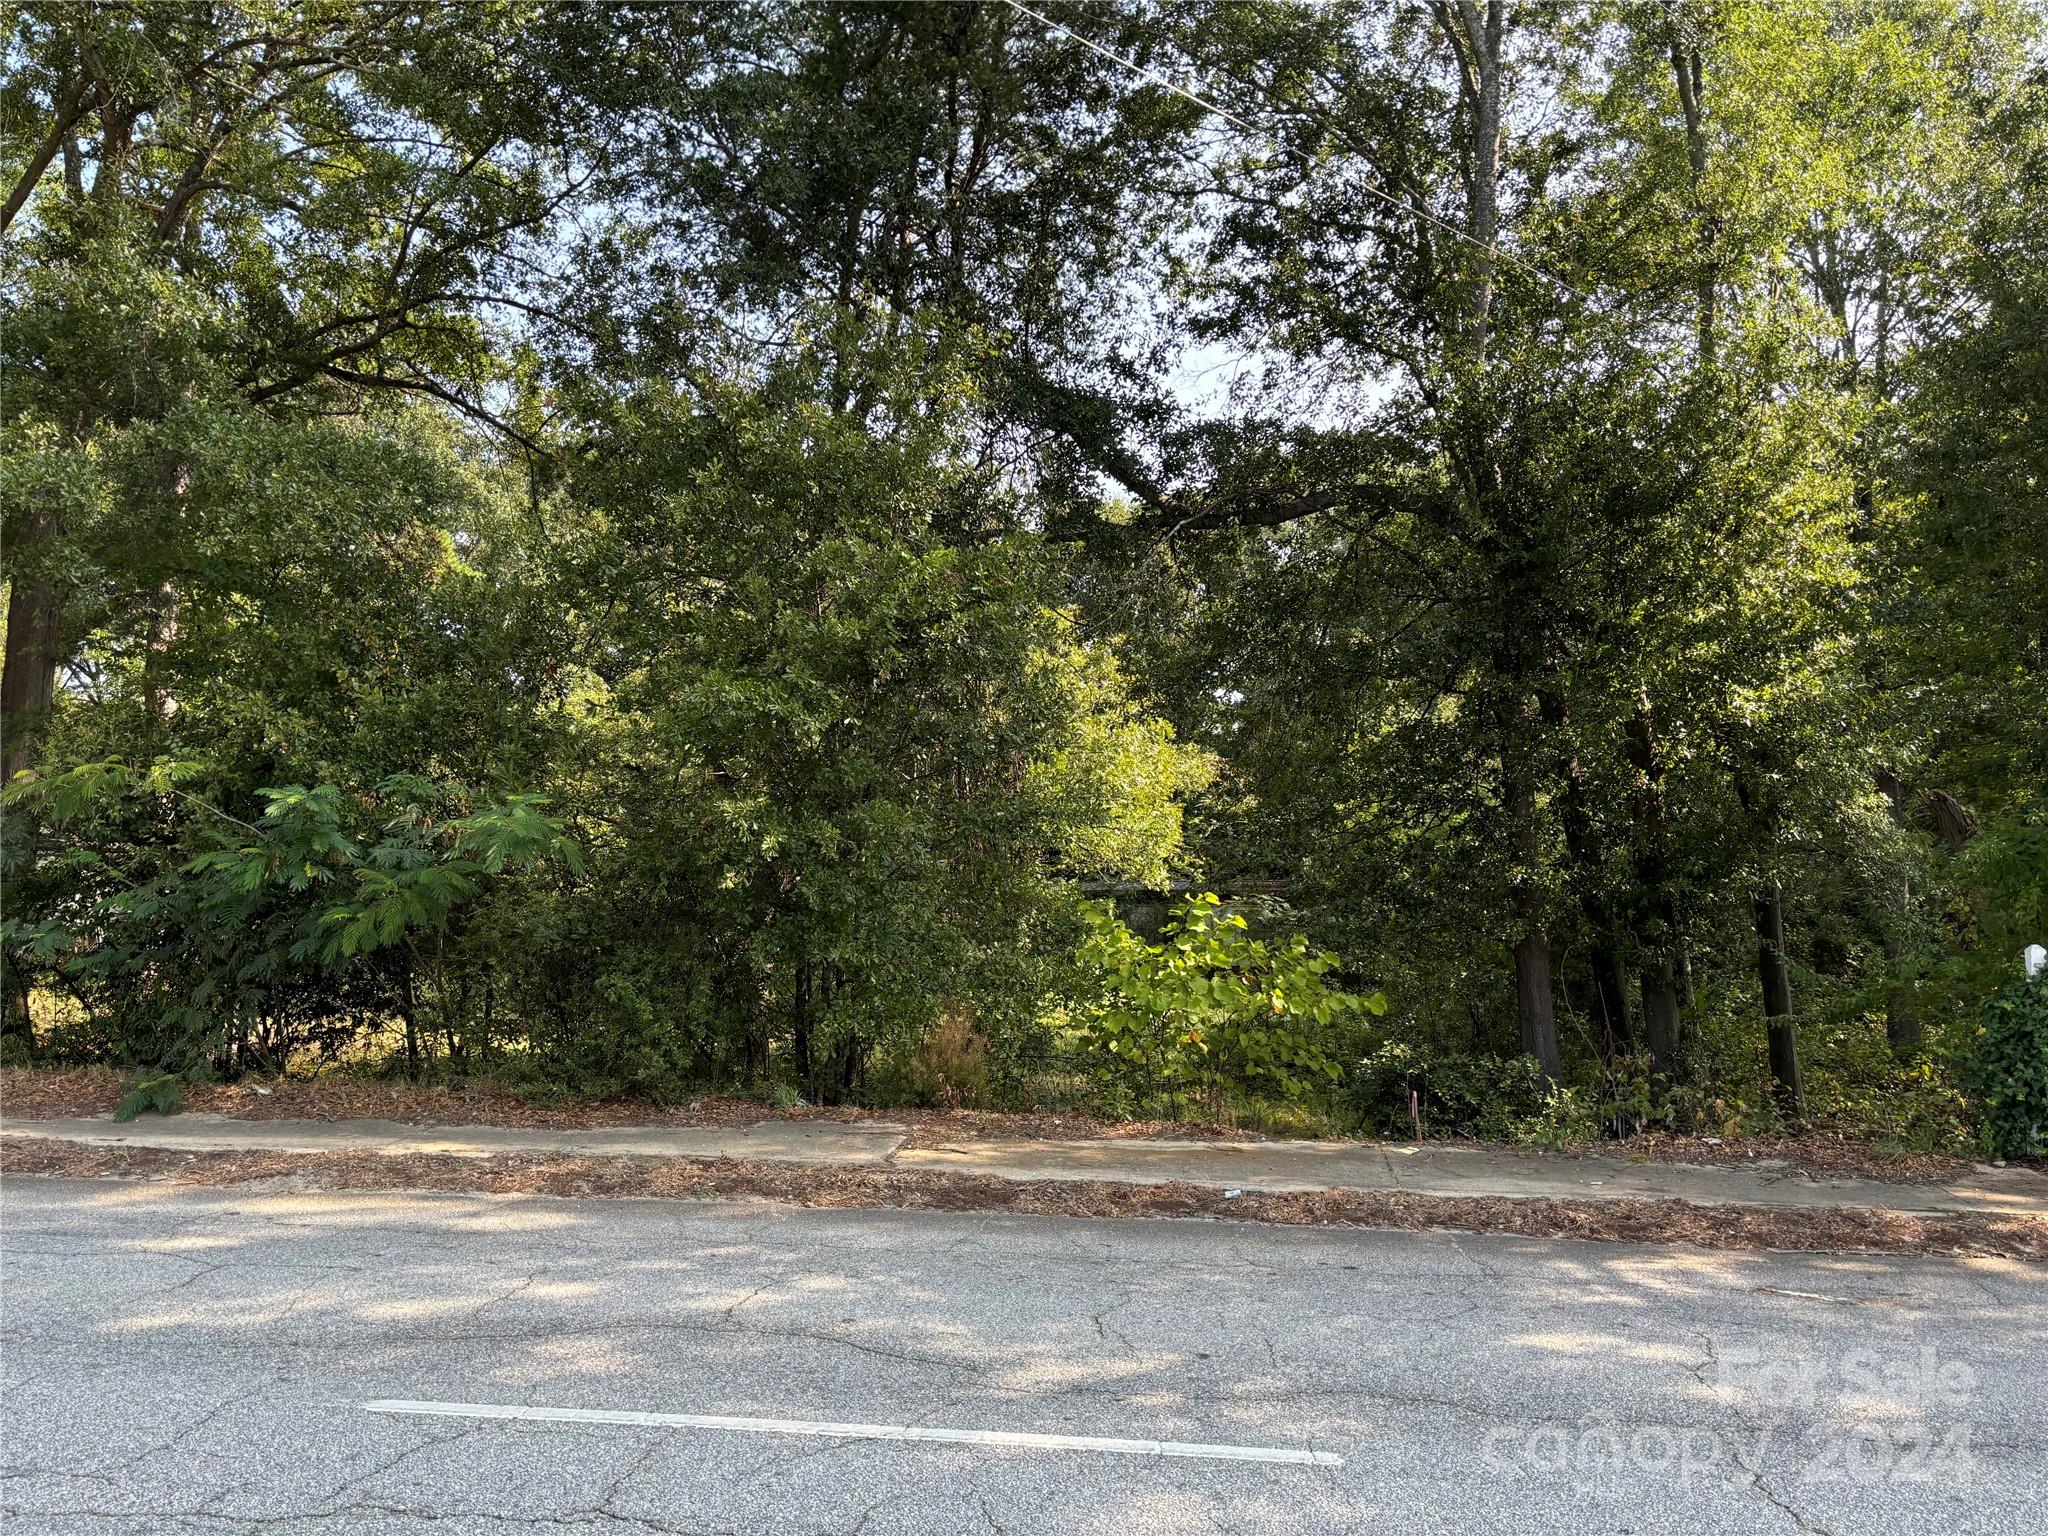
1250,127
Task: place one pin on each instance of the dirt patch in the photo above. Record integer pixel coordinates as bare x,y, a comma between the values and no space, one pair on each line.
1632,1221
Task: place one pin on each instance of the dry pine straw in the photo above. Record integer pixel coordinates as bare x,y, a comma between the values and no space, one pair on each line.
1641,1221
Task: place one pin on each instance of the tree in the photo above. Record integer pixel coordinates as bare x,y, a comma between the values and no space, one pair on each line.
268,206
837,716
773,436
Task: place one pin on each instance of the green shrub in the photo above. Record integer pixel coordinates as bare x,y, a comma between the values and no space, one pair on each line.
599,1025
2005,1071
157,1092
947,1069
1210,1009
199,939
1567,1114
1856,1086
1454,1094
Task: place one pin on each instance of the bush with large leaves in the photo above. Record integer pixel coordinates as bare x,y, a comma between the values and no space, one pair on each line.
221,943
1212,1009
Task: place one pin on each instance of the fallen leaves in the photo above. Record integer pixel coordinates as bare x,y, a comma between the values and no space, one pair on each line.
1635,1221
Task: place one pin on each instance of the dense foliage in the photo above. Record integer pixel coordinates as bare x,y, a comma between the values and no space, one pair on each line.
2008,1071
1211,1007
635,548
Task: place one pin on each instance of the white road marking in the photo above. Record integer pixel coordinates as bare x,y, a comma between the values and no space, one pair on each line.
917,1432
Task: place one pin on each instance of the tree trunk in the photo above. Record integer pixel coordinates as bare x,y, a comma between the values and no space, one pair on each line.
1657,910
15,1019
754,1051
407,1008
28,683
1535,1011
1777,991
1610,991
68,108
1589,857
1475,36
28,687
1687,71
1667,976
852,1056
1901,1024
1474,29
1901,1021
1662,1030
1954,820
800,1033
1485,162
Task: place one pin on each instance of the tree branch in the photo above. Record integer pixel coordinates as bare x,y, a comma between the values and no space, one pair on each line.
419,383
69,109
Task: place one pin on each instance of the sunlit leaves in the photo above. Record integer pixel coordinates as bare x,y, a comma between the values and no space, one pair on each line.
1210,1009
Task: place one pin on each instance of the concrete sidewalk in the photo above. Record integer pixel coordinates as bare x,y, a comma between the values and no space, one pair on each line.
773,1141
1272,1166
1391,1167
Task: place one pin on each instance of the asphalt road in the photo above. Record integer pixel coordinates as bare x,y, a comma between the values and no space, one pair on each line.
180,1360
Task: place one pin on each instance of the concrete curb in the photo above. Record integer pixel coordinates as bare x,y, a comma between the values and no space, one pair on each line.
1284,1167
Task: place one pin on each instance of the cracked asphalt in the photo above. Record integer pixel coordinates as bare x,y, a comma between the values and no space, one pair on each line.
189,1360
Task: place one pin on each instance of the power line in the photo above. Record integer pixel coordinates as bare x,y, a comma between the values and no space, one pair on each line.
1391,199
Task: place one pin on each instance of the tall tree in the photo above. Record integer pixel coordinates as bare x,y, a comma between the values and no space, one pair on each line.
268,206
